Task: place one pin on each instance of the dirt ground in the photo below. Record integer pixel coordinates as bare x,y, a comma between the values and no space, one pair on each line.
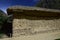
44,36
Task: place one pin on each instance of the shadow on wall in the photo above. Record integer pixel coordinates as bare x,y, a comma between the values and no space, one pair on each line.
29,17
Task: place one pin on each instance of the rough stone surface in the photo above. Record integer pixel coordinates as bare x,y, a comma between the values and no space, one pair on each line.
27,25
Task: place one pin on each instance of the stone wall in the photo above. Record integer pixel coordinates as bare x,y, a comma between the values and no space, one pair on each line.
32,20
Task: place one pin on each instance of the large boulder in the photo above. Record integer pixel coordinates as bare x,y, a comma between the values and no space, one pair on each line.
29,21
